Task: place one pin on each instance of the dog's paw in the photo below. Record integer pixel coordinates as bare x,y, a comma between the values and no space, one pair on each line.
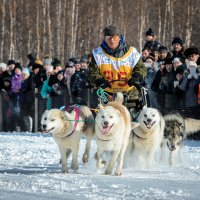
108,172
85,158
74,167
117,173
64,171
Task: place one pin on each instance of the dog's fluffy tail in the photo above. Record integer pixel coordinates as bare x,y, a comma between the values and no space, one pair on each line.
119,97
192,125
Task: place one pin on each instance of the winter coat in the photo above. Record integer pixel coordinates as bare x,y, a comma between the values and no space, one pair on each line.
190,87
153,45
78,87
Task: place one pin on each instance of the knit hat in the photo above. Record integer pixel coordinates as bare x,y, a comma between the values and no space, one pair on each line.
69,64
18,65
56,62
38,61
84,59
3,66
10,62
26,71
150,32
111,30
61,72
177,40
47,60
179,70
190,51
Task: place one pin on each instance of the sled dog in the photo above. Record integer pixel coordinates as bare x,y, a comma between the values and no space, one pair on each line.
176,130
147,137
66,129
112,128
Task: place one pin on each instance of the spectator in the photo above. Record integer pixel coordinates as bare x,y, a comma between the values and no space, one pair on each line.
151,42
6,104
178,49
46,89
78,85
58,95
190,83
69,71
145,53
3,73
26,101
166,86
152,69
15,97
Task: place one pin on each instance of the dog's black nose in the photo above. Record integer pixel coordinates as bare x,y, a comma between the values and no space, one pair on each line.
106,123
173,147
149,120
44,126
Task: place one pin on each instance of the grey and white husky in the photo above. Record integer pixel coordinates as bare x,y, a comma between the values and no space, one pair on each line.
176,130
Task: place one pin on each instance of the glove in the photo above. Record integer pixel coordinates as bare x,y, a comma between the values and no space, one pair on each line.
103,83
136,79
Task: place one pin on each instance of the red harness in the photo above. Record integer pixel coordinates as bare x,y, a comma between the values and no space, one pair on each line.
77,115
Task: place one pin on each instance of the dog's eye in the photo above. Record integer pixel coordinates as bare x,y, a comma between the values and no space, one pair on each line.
145,115
111,116
45,118
102,116
52,120
153,115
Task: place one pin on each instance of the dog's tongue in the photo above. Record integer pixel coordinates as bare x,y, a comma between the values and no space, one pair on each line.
105,130
148,125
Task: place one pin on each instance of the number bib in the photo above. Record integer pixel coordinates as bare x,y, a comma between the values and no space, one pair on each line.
119,69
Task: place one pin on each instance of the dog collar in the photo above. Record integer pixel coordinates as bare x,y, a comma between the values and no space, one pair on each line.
139,136
103,140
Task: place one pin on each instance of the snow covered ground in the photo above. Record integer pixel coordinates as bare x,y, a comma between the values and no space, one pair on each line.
30,169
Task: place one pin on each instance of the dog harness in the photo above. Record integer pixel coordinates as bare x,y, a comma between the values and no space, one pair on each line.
77,110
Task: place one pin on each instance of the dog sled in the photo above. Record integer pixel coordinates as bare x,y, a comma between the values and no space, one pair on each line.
134,101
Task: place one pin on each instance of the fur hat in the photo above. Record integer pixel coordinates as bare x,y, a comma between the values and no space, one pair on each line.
10,62
168,61
190,51
150,32
111,30
3,66
177,40
36,66
163,49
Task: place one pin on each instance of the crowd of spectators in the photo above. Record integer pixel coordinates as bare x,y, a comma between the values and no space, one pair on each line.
173,78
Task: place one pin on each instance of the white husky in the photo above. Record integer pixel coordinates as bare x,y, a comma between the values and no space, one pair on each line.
113,127
66,129
147,137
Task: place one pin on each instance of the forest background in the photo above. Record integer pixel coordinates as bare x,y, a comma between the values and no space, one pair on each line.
71,28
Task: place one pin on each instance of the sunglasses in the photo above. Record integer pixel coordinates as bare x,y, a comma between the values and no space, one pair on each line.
108,37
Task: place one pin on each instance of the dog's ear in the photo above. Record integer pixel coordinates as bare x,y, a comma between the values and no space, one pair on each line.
134,125
67,115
